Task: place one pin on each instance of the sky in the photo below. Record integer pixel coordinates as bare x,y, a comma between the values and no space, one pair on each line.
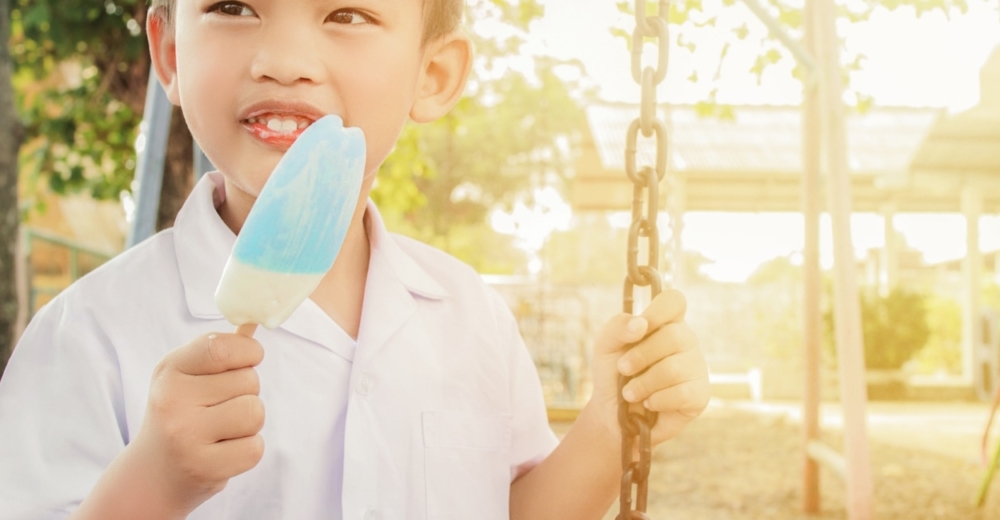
931,61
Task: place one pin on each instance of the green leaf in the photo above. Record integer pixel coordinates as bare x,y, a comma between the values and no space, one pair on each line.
742,32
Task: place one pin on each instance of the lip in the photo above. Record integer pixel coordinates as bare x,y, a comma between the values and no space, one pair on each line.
281,108
277,140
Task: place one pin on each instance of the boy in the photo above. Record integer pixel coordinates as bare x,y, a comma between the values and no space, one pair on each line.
399,390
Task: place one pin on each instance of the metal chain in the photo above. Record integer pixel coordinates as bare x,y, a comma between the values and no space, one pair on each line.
635,421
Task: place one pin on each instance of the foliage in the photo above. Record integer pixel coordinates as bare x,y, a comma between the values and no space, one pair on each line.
510,134
778,269
690,19
894,327
80,75
778,315
943,351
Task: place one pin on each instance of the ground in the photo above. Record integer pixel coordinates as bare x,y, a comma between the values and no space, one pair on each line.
743,462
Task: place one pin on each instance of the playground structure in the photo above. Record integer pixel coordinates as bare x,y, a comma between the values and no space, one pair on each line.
889,161
975,197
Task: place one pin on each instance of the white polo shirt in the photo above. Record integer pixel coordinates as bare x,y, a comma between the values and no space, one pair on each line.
429,415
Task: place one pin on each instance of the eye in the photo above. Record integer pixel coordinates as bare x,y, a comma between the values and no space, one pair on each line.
232,9
350,17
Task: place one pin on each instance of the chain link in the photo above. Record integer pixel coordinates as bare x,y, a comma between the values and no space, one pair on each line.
636,421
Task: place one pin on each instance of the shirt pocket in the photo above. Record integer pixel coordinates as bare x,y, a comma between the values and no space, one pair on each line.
466,459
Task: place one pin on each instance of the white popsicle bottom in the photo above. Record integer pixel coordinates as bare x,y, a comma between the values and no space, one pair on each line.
247,294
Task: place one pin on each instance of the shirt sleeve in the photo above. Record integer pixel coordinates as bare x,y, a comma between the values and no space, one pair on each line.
61,414
531,437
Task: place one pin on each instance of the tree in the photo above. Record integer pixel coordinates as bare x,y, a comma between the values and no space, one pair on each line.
895,327
80,133
9,143
511,134
81,74
689,19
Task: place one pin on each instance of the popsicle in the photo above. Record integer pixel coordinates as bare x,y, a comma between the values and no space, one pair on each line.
296,227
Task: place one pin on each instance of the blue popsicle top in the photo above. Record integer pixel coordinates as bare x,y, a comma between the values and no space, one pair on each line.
298,222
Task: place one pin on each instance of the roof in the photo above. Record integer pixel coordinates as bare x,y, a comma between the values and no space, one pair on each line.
760,138
906,158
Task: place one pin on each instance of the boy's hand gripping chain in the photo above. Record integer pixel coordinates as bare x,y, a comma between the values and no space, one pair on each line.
636,424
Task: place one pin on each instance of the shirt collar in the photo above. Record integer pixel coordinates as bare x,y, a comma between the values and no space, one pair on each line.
407,270
203,243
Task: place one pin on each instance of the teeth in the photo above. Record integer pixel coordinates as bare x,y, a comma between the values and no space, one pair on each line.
279,124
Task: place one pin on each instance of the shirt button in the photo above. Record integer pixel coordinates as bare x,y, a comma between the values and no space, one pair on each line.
364,388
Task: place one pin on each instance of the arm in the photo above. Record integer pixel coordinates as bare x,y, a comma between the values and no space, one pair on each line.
126,490
581,478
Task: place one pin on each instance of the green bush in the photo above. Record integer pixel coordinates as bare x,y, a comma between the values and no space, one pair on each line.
894,327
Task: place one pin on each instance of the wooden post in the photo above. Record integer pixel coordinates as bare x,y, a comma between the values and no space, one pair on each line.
890,252
812,282
676,204
847,312
972,208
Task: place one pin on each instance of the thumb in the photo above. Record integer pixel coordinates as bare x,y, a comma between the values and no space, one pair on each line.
619,331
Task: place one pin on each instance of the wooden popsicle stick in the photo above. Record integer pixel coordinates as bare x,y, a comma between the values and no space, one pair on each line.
247,329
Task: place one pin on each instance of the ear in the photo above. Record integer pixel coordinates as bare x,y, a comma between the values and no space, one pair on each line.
163,52
443,74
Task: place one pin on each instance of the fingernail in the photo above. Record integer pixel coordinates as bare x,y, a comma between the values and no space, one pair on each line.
628,394
646,404
624,366
636,324
212,336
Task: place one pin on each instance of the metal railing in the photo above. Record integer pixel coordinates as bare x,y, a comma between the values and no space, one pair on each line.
29,238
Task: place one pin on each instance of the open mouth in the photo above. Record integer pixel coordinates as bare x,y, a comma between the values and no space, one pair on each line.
277,130
281,124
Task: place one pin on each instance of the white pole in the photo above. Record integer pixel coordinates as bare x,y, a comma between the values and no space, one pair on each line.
847,312
972,208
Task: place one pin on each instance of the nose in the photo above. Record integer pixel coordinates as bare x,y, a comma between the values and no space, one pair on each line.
286,56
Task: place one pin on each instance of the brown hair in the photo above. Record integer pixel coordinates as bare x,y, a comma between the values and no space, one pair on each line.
440,16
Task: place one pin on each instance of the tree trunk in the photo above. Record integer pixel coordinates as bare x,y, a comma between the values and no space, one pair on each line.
10,139
178,171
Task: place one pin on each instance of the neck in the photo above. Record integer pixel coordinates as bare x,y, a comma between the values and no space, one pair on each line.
341,293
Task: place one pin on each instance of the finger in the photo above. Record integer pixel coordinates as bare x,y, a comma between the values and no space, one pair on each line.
668,340
688,398
668,425
212,389
668,306
621,330
217,353
673,370
236,418
231,457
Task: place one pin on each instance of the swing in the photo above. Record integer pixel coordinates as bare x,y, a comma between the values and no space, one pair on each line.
634,420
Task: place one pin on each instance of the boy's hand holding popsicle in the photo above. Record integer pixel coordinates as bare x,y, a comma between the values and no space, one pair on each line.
203,416
202,420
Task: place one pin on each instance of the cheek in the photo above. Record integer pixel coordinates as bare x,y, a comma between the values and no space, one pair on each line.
206,97
388,99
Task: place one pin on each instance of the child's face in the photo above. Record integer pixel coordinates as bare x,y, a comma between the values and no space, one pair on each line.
250,75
